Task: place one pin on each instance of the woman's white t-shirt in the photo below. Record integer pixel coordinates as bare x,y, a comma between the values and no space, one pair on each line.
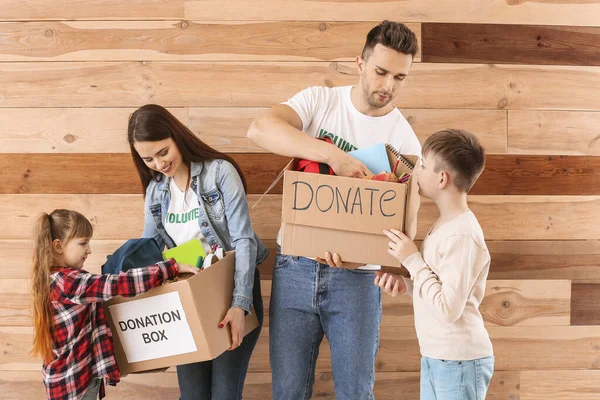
182,217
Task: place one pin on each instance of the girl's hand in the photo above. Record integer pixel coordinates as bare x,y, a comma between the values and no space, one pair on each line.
400,245
186,269
236,318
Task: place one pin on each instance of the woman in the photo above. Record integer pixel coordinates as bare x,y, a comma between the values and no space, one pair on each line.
193,191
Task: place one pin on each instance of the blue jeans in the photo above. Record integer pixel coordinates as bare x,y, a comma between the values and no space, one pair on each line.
309,300
455,380
222,378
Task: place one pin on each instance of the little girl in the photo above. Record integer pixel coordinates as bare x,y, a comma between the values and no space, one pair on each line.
71,334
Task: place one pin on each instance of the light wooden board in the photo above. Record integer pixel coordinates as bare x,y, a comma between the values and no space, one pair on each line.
103,130
502,217
560,385
17,10
160,386
506,303
246,84
515,349
183,40
545,12
571,259
553,132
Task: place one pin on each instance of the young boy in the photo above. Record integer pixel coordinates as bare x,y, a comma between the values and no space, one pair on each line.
448,277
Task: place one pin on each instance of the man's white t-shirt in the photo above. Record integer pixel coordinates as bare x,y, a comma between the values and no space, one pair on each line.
329,112
182,217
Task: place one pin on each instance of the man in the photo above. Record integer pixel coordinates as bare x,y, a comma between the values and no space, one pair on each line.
309,298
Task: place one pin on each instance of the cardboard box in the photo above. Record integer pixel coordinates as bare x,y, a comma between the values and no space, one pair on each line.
175,323
346,215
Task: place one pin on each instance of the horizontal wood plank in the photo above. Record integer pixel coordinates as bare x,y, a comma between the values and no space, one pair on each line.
502,217
515,349
175,84
575,260
584,304
16,10
554,132
102,130
570,260
506,303
183,40
114,173
513,44
559,385
464,11
158,386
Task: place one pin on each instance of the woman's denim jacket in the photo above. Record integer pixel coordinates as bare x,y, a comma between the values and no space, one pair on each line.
224,220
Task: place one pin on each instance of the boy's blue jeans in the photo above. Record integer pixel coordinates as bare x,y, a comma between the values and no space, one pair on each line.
455,380
309,300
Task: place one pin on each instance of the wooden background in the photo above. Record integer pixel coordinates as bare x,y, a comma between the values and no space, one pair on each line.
524,76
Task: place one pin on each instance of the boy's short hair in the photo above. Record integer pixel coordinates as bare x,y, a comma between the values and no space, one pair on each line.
391,34
459,152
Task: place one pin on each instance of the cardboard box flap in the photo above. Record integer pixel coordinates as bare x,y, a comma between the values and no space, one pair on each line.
349,204
213,301
407,164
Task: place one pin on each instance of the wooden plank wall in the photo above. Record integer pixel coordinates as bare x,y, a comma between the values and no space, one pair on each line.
524,76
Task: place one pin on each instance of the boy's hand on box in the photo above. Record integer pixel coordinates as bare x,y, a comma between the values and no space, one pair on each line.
400,245
236,318
390,283
335,261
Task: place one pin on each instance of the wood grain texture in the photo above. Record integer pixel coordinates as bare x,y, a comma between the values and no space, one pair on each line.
114,173
16,10
246,84
102,130
501,217
69,130
521,259
559,385
159,386
543,260
183,40
554,132
110,173
584,304
513,44
515,349
507,303
545,12
539,175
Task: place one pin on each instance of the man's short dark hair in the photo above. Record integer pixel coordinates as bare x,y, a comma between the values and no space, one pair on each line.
393,35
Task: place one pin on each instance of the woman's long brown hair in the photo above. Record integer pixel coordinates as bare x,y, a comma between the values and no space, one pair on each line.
153,123
64,225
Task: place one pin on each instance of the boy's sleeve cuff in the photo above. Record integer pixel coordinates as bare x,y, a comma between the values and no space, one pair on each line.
413,263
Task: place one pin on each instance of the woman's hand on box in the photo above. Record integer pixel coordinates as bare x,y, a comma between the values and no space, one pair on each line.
392,284
236,318
335,261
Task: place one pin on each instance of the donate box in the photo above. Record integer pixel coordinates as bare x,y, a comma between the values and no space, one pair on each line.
176,323
346,215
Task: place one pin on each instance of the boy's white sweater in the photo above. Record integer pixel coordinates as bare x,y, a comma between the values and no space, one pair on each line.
447,285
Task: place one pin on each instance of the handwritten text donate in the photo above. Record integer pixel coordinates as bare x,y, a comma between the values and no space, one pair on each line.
353,200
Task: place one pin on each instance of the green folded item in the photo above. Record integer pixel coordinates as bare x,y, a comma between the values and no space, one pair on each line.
187,253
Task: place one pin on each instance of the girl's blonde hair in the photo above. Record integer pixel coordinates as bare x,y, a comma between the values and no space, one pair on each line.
63,225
